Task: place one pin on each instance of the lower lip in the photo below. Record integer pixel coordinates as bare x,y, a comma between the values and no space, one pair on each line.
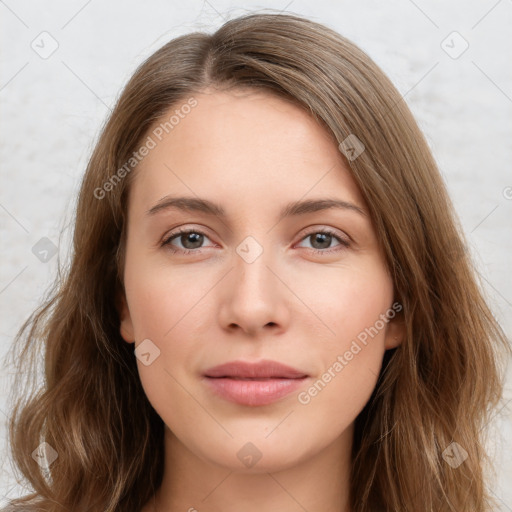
253,392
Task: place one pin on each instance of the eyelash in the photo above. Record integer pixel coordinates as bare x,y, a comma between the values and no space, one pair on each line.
344,244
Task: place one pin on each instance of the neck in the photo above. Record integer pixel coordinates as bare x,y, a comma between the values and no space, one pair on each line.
190,483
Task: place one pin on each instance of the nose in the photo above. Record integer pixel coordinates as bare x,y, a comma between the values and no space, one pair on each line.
254,298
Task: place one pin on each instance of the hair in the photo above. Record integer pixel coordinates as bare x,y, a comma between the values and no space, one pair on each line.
439,386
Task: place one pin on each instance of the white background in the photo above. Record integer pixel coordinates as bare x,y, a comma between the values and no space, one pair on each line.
52,109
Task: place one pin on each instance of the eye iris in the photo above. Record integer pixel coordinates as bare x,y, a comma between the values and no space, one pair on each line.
195,238
321,238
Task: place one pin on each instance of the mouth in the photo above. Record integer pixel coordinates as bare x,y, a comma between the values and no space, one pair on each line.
254,384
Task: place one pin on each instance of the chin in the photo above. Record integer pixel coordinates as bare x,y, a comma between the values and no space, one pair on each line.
246,454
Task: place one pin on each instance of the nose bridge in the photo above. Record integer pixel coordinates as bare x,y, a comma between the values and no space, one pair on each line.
250,249
251,272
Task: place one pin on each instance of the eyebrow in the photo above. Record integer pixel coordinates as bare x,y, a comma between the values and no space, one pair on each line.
195,204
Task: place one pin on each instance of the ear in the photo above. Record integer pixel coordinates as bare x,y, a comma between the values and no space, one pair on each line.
395,332
126,326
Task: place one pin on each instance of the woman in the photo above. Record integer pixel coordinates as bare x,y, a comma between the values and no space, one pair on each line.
206,351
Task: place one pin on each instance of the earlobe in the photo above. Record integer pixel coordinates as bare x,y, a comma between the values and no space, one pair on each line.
395,333
126,326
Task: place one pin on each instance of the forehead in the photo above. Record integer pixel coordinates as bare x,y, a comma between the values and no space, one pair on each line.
245,144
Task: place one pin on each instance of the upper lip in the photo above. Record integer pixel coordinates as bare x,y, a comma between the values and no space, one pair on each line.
261,369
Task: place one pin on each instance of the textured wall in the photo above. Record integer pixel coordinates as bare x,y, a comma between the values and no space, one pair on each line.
64,63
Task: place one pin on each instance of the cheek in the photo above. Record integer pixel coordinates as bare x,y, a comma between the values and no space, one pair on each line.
161,298
349,336
168,307
341,302
331,404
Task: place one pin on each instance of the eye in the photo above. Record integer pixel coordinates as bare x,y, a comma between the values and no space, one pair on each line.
191,240
322,239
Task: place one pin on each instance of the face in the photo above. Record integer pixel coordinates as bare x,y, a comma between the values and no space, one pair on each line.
308,289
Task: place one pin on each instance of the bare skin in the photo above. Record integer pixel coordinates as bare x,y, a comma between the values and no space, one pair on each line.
303,301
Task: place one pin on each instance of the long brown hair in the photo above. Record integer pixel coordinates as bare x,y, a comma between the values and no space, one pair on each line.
436,389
